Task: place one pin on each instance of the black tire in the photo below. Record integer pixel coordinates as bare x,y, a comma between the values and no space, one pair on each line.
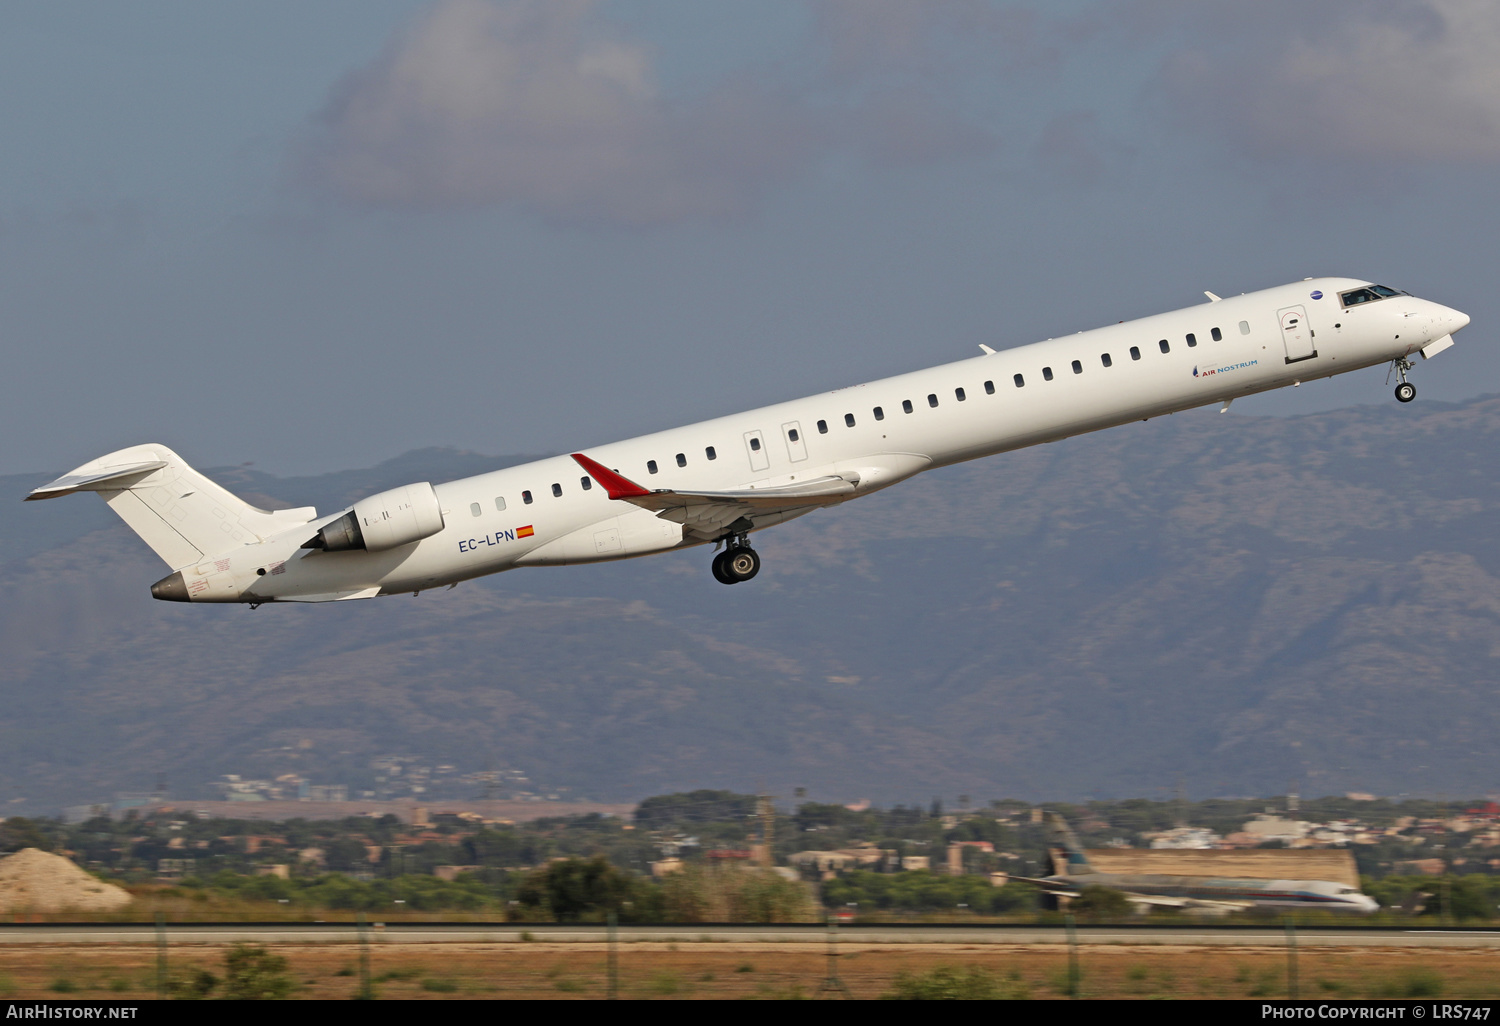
1406,392
720,573
741,564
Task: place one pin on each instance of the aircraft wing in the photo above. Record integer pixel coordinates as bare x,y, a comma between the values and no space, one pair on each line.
1050,884
1071,887
1163,901
710,513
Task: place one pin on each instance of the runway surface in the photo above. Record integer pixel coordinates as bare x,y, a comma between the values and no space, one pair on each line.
515,933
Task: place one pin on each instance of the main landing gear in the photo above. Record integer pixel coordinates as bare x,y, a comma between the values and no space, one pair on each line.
738,562
1405,391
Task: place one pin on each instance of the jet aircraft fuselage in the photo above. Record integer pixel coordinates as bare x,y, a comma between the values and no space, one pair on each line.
1204,893
1218,893
720,480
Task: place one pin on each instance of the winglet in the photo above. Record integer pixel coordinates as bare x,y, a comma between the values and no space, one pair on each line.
618,487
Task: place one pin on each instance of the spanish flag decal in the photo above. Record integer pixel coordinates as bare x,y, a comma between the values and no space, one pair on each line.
525,532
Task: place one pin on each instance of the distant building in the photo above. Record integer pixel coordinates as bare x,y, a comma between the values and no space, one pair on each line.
1187,838
1428,867
1268,827
666,867
451,873
175,869
1335,864
956,854
75,814
837,861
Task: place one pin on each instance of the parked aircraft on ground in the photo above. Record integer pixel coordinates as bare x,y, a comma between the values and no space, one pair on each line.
716,482
1201,893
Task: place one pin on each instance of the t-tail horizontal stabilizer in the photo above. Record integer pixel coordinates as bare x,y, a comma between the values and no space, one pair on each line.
110,478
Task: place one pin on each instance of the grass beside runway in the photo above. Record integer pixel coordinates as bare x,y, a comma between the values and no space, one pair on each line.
690,969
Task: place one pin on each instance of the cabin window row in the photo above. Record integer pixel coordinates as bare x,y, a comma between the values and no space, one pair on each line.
586,483
878,412
1165,345
1105,359
907,406
709,453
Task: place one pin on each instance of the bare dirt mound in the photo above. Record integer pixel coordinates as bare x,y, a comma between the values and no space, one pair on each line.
32,880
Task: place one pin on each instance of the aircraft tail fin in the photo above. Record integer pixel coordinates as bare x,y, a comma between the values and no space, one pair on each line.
1064,838
177,511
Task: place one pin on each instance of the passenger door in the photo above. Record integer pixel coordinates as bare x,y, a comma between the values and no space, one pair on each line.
1296,334
755,448
796,445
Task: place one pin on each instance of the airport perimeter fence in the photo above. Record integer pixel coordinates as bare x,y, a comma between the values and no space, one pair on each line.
605,963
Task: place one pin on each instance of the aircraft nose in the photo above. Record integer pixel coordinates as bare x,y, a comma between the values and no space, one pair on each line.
1452,320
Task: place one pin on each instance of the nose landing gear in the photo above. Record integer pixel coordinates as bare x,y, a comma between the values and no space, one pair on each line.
1405,391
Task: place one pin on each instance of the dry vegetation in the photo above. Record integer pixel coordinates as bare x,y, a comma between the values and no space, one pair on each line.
697,969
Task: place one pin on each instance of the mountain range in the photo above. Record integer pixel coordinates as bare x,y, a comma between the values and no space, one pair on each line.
1223,604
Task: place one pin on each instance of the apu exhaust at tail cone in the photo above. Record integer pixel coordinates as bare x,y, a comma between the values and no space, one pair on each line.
171,588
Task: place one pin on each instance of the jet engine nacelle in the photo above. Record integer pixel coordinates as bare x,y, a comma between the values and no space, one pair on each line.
384,521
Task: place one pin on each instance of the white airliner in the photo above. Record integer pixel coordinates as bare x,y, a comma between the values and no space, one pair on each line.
1208,894
716,482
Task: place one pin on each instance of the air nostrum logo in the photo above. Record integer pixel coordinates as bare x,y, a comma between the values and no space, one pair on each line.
1208,372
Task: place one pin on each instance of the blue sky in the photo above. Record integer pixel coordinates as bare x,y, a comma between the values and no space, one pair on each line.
315,235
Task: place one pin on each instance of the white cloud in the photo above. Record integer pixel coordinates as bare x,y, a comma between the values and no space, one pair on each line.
544,103
902,34
1416,80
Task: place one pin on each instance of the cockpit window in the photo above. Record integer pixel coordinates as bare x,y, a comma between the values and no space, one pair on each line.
1373,294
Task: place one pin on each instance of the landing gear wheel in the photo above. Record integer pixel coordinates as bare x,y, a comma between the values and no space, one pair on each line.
1406,392
721,574
741,564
